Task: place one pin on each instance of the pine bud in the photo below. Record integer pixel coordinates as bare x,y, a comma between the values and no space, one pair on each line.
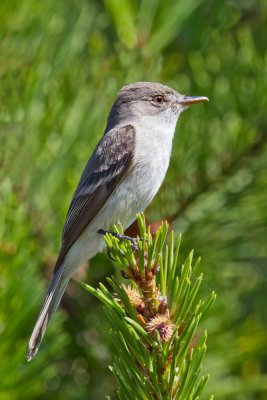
134,296
162,324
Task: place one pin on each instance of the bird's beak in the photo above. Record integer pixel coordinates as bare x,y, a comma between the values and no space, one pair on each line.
188,100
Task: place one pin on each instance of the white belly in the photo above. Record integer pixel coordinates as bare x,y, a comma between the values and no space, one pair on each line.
135,193
131,197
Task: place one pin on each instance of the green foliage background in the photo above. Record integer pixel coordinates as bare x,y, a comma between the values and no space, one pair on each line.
61,64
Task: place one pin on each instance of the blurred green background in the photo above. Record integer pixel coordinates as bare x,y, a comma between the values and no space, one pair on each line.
61,65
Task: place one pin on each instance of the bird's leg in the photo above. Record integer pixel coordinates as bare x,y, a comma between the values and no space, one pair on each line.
121,237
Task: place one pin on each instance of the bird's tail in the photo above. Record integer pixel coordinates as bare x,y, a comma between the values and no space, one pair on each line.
53,296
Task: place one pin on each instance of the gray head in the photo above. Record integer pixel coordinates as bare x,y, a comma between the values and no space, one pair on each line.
149,100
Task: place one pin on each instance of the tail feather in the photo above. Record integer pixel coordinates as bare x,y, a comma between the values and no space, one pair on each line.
53,296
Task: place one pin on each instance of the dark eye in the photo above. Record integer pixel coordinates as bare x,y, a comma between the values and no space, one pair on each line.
158,99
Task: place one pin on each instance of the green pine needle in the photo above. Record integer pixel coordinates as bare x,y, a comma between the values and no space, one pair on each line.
155,318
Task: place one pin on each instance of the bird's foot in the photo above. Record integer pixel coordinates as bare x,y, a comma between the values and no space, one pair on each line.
121,237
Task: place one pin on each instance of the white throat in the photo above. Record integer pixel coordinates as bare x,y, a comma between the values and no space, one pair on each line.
154,136
153,151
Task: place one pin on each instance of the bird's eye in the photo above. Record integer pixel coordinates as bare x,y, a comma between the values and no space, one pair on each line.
158,99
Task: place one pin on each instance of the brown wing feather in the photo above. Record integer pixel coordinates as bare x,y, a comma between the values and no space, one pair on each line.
110,163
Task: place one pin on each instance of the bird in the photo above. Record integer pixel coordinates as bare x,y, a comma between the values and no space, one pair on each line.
121,178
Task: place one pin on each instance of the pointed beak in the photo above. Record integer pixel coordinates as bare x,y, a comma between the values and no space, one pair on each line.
188,100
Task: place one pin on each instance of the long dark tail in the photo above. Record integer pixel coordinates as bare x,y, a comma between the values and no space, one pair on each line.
53,296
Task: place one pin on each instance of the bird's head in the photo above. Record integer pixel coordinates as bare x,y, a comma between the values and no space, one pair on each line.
149,100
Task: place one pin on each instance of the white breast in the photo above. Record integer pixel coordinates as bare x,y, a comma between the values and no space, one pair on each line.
134,193
152,156
153,151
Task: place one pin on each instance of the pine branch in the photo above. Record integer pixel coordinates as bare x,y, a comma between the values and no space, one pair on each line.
154,318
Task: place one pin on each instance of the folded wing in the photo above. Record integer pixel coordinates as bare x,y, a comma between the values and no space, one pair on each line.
111,162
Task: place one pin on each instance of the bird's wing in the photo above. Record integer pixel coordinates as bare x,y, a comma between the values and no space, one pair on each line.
112,160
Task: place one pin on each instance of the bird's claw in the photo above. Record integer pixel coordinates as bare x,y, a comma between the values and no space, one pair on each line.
121,237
